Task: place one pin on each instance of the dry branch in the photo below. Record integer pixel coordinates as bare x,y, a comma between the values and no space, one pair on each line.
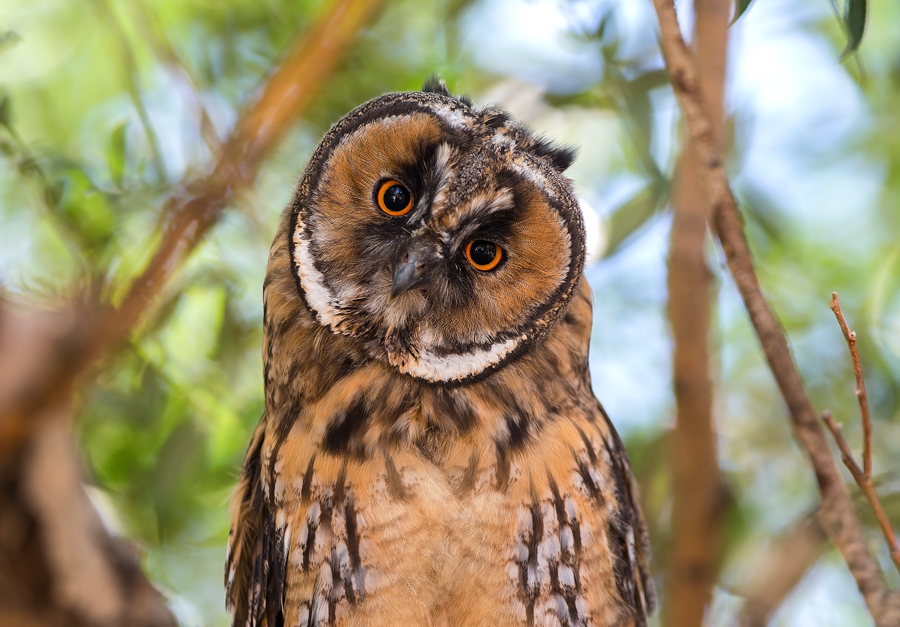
850,337
195,207
697,491
58,565
863,477
838,517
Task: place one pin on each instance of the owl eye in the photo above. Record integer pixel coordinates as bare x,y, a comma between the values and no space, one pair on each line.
394,199
483,255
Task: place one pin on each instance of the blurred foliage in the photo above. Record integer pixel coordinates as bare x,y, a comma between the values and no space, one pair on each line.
102,108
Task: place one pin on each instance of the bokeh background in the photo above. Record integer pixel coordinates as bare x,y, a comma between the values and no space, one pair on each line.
100,121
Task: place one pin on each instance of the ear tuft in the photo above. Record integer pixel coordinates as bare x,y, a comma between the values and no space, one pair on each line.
436,85
560,157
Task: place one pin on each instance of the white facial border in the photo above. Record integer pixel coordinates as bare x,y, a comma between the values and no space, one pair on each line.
318,296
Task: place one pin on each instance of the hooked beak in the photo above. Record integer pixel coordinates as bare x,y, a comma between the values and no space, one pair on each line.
408,274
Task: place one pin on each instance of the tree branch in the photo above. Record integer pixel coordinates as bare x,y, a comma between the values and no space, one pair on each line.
850,337
697,484
195,207
61,566
838,517
863,477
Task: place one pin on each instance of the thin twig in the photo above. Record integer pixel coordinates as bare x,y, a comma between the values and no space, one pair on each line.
863,477
850,336
846,453
166,53
134,89
838,516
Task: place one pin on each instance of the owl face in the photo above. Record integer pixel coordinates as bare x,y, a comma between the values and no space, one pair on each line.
443,238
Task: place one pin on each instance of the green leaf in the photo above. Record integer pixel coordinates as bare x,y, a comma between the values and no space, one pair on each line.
5,112
634,213
855,23
115,153
740,7
8,39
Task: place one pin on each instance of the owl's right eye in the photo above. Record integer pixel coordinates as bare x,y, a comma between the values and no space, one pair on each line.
394,199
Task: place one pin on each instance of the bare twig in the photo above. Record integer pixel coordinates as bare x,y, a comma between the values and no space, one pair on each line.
867,487
697,490
862,476
134,88
846,453
850,336
838,517
163,49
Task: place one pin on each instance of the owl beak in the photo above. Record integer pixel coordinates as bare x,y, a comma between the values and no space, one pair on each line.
408,274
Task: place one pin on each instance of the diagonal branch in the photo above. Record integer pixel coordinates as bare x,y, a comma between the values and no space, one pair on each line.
838,517
193,209
866,486
57,561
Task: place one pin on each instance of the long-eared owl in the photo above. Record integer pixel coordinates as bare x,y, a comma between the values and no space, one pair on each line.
431,452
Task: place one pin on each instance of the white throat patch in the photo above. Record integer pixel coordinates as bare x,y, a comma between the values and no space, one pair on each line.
455,367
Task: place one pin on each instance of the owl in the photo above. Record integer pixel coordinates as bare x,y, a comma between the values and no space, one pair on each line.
431,452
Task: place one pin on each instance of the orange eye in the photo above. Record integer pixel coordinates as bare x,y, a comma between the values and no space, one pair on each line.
483,255
394,199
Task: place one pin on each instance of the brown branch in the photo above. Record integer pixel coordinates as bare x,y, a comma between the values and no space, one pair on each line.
850,336
838,517
863,477
867,487
697,490
846,453
194,209
58,565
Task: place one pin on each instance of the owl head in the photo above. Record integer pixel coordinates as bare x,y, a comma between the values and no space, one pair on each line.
443,238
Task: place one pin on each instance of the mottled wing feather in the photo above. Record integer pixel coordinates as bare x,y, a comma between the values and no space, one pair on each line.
255,563
628,535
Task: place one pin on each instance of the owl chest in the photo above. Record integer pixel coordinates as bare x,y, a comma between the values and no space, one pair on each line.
399,541
398,545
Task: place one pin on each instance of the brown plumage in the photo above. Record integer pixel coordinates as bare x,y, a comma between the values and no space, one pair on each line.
431,451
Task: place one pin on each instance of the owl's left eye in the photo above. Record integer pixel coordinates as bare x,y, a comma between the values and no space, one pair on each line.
394,199
483,255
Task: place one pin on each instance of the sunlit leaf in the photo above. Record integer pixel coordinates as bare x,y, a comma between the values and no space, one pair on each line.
855,23
634,213
740,7
115,153
8,39
5,112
